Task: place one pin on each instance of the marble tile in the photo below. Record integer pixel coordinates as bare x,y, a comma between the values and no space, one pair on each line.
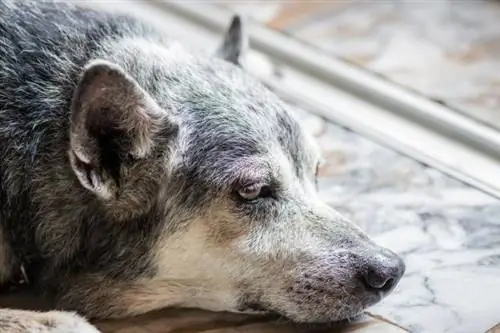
447,232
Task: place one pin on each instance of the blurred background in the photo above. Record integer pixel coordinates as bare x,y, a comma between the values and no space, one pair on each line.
447,50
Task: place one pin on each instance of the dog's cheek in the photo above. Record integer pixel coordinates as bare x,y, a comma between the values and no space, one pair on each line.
191,255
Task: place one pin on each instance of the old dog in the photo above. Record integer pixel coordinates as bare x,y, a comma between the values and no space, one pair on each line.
136,175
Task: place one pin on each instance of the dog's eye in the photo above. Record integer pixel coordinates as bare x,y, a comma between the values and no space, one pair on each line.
254,191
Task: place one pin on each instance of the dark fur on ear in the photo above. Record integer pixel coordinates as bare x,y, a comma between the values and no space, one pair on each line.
235,42
112,119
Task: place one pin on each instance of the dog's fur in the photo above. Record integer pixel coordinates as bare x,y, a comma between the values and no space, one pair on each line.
136,176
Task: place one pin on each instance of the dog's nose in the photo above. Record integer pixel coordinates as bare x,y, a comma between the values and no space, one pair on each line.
384,271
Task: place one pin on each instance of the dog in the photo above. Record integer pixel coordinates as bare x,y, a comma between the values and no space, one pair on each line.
136,175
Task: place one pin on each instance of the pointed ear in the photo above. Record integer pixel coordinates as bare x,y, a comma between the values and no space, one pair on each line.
113,121
235,43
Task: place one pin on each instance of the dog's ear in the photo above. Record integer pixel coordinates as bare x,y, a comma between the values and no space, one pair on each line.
113,121
235,43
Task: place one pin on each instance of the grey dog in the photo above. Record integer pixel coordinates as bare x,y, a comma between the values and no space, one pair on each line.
135,176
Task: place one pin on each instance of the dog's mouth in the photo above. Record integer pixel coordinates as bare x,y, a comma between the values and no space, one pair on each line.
255,308
249,307
259,309
255,305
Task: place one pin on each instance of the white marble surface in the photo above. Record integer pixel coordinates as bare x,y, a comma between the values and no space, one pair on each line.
447,232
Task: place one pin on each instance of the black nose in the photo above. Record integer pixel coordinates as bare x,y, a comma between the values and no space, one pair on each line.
383,272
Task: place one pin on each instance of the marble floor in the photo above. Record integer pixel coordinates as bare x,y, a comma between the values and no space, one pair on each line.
447,232
446,50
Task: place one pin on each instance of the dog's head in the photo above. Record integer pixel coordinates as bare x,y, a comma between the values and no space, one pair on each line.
220,162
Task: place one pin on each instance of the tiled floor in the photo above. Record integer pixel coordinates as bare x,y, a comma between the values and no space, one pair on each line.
446,50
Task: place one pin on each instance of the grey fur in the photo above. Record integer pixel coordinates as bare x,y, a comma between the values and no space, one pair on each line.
123,163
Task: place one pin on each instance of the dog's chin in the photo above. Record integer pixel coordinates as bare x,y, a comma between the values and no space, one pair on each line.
340,310
314,319
325,315
302,318
329,320
255,309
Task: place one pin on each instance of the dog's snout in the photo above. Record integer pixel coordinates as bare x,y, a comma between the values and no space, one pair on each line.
383,272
